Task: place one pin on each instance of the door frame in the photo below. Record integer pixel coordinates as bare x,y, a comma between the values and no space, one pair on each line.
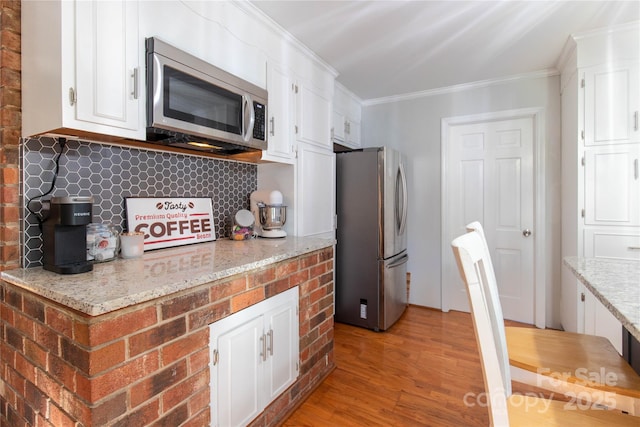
539,170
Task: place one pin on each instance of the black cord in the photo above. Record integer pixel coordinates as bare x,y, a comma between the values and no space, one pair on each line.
63,143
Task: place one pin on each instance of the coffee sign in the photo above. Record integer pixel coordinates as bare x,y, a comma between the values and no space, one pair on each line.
168,222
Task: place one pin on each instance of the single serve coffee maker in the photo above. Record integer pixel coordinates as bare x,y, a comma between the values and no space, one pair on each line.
64,235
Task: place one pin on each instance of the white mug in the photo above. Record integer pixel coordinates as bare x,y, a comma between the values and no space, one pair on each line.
131,244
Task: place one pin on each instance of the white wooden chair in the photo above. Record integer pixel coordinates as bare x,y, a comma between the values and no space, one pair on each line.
584,367
506,408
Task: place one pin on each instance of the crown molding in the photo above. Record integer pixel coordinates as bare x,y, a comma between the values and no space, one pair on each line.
461,87
629,26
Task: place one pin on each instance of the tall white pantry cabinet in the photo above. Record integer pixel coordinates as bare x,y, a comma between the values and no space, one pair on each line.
600,89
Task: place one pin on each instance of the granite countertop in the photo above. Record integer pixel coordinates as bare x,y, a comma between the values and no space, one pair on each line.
615,283
125,282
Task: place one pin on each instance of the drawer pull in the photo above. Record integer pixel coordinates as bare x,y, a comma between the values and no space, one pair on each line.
634,248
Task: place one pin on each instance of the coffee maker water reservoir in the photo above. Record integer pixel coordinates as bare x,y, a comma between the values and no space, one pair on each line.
64,235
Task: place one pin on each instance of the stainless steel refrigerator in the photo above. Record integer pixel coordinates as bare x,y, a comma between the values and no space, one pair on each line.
371,250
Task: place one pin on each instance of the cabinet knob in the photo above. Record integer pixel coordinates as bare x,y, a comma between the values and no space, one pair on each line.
526,232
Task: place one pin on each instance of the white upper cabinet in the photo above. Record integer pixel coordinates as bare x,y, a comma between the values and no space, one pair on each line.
299,112
217,32
612,185
612,104
316,190
81,68
313,114
347,113
108,77
280,120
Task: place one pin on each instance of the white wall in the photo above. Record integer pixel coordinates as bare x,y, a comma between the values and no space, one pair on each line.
413,127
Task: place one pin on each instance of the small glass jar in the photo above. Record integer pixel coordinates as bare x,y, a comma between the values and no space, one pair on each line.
103,243
242,228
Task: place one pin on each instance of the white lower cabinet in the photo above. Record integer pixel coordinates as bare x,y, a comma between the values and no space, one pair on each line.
599,321
254,358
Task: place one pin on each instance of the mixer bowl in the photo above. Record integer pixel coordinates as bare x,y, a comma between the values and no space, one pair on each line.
272,217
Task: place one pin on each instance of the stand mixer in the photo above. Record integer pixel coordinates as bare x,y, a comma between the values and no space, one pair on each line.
270,213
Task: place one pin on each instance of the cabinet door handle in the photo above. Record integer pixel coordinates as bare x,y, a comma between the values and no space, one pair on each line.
72,96
263,343
272,125
216,357
134,76
635,121
270,346
635,169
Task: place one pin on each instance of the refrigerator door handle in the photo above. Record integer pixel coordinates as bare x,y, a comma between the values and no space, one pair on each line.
402,260
403,216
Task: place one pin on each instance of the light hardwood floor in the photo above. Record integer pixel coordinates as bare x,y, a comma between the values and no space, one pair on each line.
415,374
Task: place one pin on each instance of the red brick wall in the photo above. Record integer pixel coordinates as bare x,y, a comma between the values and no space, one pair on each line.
149,363
10,124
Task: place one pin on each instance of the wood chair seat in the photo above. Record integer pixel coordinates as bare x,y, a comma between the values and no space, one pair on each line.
565,363
583,360
505,407
529,411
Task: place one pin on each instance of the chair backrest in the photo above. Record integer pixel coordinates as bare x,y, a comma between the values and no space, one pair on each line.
470,254
492,295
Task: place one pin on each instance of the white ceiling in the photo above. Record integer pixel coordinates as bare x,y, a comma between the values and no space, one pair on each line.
387,48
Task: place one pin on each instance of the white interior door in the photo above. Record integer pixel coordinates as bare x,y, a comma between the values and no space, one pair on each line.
490,178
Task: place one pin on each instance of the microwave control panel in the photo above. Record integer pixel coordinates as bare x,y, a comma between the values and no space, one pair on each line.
259,127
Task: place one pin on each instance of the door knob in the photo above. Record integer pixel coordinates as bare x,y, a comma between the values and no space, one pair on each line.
526,232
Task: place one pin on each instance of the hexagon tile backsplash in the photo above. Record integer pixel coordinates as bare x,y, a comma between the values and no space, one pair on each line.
111,173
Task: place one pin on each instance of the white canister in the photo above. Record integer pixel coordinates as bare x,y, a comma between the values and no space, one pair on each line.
131,244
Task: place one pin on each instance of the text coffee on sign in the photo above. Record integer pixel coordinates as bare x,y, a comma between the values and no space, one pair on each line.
168,222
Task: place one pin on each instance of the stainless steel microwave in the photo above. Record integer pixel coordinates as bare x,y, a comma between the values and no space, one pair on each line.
195,105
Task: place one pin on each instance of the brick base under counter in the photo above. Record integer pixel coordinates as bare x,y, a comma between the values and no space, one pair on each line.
149,363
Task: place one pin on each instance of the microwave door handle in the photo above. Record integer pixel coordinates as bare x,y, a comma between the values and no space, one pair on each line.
247,105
